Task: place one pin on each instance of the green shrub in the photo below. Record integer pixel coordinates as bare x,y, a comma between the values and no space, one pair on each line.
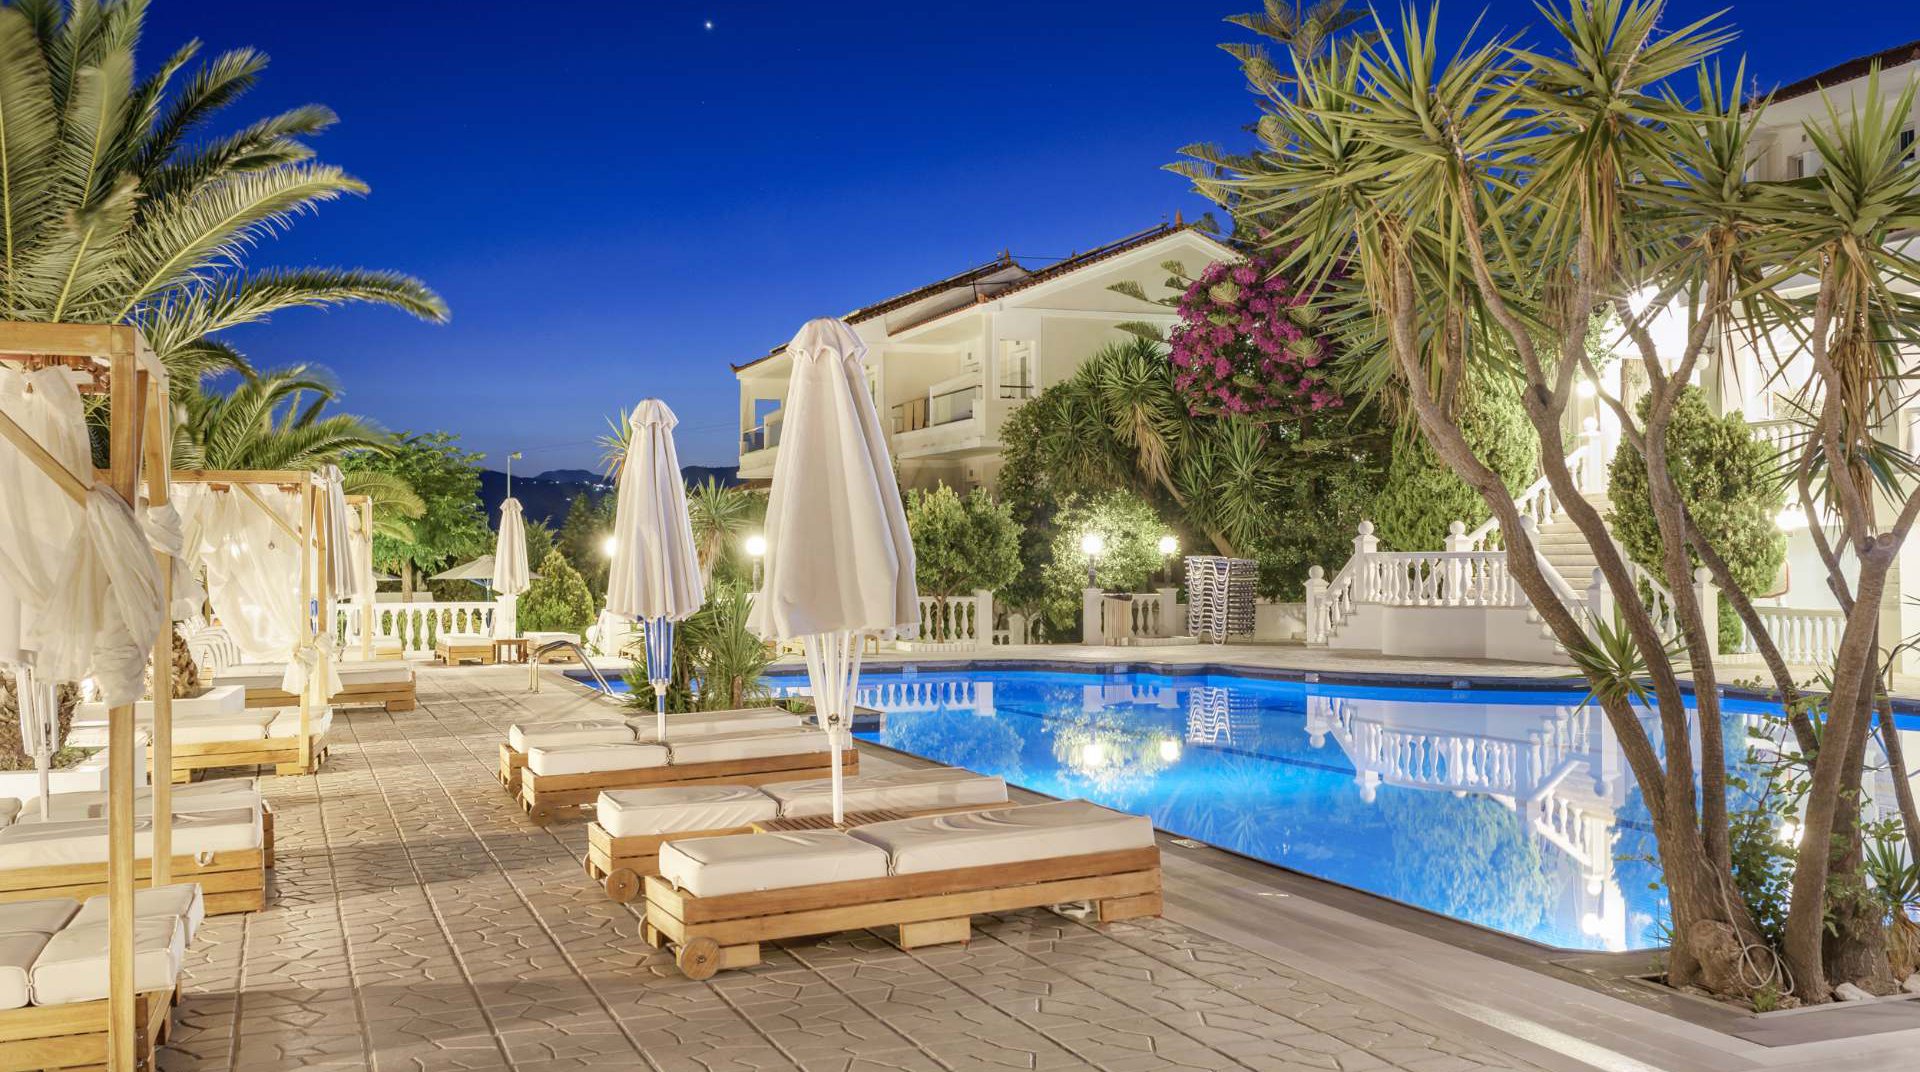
1422,496
960,545
1132,531
557,600
1726,478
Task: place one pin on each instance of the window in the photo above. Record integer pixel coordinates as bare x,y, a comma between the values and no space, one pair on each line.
1906,144
1807,164
1017,369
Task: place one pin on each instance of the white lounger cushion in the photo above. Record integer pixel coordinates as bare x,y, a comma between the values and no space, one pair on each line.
593,758
745,744
84,841
245,726
678,808
286,722
909,790
707,722
182,901
525,736
1005,836
17,953
217,700
270,675
211,794
743,863
73,966
43,916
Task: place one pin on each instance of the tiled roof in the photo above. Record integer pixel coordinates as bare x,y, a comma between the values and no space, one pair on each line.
1852,69
1070,263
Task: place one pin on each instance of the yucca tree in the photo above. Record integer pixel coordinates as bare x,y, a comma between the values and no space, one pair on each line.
1491,189
116,208
721,516
276,420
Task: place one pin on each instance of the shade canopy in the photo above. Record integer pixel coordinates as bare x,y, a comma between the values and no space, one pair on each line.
510,576
479,570
839,560
655,572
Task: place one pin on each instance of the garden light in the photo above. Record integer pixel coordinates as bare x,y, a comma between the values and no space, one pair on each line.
756,545
609,545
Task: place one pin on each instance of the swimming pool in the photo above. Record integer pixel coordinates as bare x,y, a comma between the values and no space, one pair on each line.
1509,810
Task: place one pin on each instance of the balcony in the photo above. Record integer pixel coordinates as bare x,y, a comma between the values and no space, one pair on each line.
947,421
758,445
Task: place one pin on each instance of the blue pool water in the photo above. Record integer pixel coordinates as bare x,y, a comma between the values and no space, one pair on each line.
1510,810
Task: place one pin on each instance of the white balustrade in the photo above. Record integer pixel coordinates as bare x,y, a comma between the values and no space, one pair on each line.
416,626
912,694
1804,637
957,623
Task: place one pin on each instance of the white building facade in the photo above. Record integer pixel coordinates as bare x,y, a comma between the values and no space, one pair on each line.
949,361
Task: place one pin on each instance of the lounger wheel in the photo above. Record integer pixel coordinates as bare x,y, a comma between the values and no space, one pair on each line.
698,958
623,885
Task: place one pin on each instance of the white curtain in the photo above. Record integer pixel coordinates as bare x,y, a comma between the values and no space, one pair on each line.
343,579
83,572
253,569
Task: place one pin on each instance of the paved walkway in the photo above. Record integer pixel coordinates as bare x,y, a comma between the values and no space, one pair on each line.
419,921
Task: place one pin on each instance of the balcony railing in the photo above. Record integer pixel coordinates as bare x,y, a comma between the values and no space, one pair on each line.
948,407
760,437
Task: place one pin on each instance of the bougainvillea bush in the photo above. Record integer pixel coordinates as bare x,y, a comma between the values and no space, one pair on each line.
1246,345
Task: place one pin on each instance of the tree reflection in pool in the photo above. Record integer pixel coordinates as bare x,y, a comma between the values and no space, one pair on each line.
1509,810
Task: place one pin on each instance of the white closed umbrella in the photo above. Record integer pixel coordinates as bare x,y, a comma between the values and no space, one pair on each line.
839,560
510,550
34,698
655,574
343,578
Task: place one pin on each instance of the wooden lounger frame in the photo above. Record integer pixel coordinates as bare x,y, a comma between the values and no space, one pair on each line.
453,652
74,1036
280,753
232,881
929,908
542,794
620,863
395,696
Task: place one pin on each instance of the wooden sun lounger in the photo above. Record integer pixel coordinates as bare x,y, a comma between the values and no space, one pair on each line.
929,908
455,650
232,881
74,1036
541,795
395,696
280,753
620,863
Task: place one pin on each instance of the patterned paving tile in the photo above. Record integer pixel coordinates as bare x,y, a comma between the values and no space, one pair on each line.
419,921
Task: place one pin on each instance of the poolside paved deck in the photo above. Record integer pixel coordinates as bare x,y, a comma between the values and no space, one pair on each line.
419,921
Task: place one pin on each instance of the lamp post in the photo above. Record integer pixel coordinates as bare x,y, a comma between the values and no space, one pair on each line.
609,545
511,458
1169,547
1092,545
756,548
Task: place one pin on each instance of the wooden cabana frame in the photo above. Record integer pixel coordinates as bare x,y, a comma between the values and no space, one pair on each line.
75,1036
139,442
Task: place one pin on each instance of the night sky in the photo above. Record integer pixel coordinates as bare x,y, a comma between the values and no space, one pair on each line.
618,199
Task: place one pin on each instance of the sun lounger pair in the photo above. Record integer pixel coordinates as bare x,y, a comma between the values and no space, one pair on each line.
631,825
54,971
221,846
218,729
571,776
214,795
716,899
610,729
380,683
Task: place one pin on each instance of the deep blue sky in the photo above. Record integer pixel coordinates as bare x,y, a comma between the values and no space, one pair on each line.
616,200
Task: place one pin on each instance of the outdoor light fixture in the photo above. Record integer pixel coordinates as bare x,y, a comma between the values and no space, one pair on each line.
1588,389
1092,545
1170,750
1093,754
1169,544
756,545
609,545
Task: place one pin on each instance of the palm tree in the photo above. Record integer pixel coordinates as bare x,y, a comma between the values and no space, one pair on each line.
272,421
720,515
395,503
113,210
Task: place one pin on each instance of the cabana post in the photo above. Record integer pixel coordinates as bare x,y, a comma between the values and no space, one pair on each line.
134,380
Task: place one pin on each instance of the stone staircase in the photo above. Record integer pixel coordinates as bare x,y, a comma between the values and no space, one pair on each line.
1563,545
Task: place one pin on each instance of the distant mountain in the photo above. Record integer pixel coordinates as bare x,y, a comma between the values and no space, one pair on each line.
570,476
546,497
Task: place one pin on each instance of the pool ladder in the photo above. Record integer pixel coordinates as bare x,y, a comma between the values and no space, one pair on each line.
533,665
